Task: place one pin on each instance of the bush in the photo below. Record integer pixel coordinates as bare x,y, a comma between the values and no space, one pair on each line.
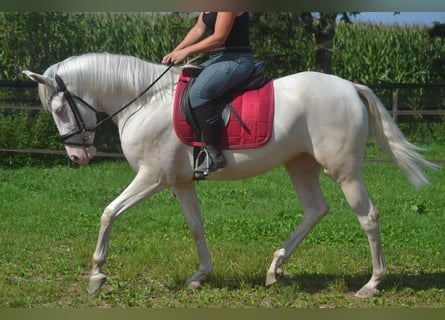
362,52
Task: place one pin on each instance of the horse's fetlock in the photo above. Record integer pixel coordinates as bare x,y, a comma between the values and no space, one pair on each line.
374,214
379,275
279,253
280,256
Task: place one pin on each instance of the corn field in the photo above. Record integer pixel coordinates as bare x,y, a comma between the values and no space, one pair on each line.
392,54
362,52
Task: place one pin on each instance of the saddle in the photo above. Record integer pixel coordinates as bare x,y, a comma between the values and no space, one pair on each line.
250,103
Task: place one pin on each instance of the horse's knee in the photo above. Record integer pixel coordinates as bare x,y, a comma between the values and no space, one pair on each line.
107,217
321,210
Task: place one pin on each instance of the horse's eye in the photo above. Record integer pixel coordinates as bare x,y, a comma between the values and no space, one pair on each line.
58,110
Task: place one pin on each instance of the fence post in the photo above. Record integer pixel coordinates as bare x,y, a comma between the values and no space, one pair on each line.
395,102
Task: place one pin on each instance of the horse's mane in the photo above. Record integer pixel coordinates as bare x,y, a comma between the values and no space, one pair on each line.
106,72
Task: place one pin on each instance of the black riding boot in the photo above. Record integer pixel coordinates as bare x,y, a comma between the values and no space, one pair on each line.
209,121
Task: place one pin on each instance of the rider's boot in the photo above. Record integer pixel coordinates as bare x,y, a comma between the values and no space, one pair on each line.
209,121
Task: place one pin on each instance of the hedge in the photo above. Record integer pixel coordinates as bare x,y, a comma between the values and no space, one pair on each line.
34,41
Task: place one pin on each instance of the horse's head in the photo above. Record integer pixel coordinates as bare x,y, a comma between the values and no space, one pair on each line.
73,112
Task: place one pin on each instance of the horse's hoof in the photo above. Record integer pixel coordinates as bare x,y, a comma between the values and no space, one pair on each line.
194,285
271,278
96,282
366,292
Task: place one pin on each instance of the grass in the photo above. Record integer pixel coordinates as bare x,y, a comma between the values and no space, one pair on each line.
49,221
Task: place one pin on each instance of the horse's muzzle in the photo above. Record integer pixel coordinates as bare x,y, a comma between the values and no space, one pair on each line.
80,155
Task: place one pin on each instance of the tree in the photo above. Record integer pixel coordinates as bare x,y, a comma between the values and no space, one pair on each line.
324,33
438,30
322,26
300,32
280,39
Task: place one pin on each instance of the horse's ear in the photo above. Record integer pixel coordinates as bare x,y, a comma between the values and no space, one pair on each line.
40,78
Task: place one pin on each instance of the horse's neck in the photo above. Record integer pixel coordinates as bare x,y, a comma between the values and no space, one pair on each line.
111,101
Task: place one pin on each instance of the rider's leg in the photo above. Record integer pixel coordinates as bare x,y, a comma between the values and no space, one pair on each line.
222,73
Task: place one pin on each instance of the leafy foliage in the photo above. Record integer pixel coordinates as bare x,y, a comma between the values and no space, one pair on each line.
393,54
282,41
36,40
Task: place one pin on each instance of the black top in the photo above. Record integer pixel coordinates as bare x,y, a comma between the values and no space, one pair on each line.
238,36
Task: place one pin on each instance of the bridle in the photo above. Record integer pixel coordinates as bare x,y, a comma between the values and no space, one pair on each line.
82,130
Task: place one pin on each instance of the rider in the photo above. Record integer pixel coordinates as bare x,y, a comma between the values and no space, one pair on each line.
230,62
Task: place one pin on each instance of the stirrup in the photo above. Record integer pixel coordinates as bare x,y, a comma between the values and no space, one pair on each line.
207,162
202,164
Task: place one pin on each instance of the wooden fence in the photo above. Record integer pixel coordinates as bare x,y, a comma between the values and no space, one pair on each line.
392,96
396,110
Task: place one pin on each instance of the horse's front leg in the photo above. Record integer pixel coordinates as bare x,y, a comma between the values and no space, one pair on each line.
139,189
186,195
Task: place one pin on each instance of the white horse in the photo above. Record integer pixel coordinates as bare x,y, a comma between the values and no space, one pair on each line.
320,121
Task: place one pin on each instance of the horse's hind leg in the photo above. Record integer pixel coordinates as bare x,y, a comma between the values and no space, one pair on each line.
304,173
368,217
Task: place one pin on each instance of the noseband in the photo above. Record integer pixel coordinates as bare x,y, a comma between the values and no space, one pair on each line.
82,129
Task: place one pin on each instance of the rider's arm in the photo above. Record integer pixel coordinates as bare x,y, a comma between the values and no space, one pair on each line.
191,44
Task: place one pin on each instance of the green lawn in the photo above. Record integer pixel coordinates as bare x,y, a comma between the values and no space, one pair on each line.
49,219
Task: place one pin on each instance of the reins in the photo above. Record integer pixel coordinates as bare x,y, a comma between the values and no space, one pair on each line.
82,129
136,98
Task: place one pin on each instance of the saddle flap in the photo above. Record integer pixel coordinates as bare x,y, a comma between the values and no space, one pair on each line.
189,74
255,108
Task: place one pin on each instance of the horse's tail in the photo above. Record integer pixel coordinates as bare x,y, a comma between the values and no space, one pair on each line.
392,140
